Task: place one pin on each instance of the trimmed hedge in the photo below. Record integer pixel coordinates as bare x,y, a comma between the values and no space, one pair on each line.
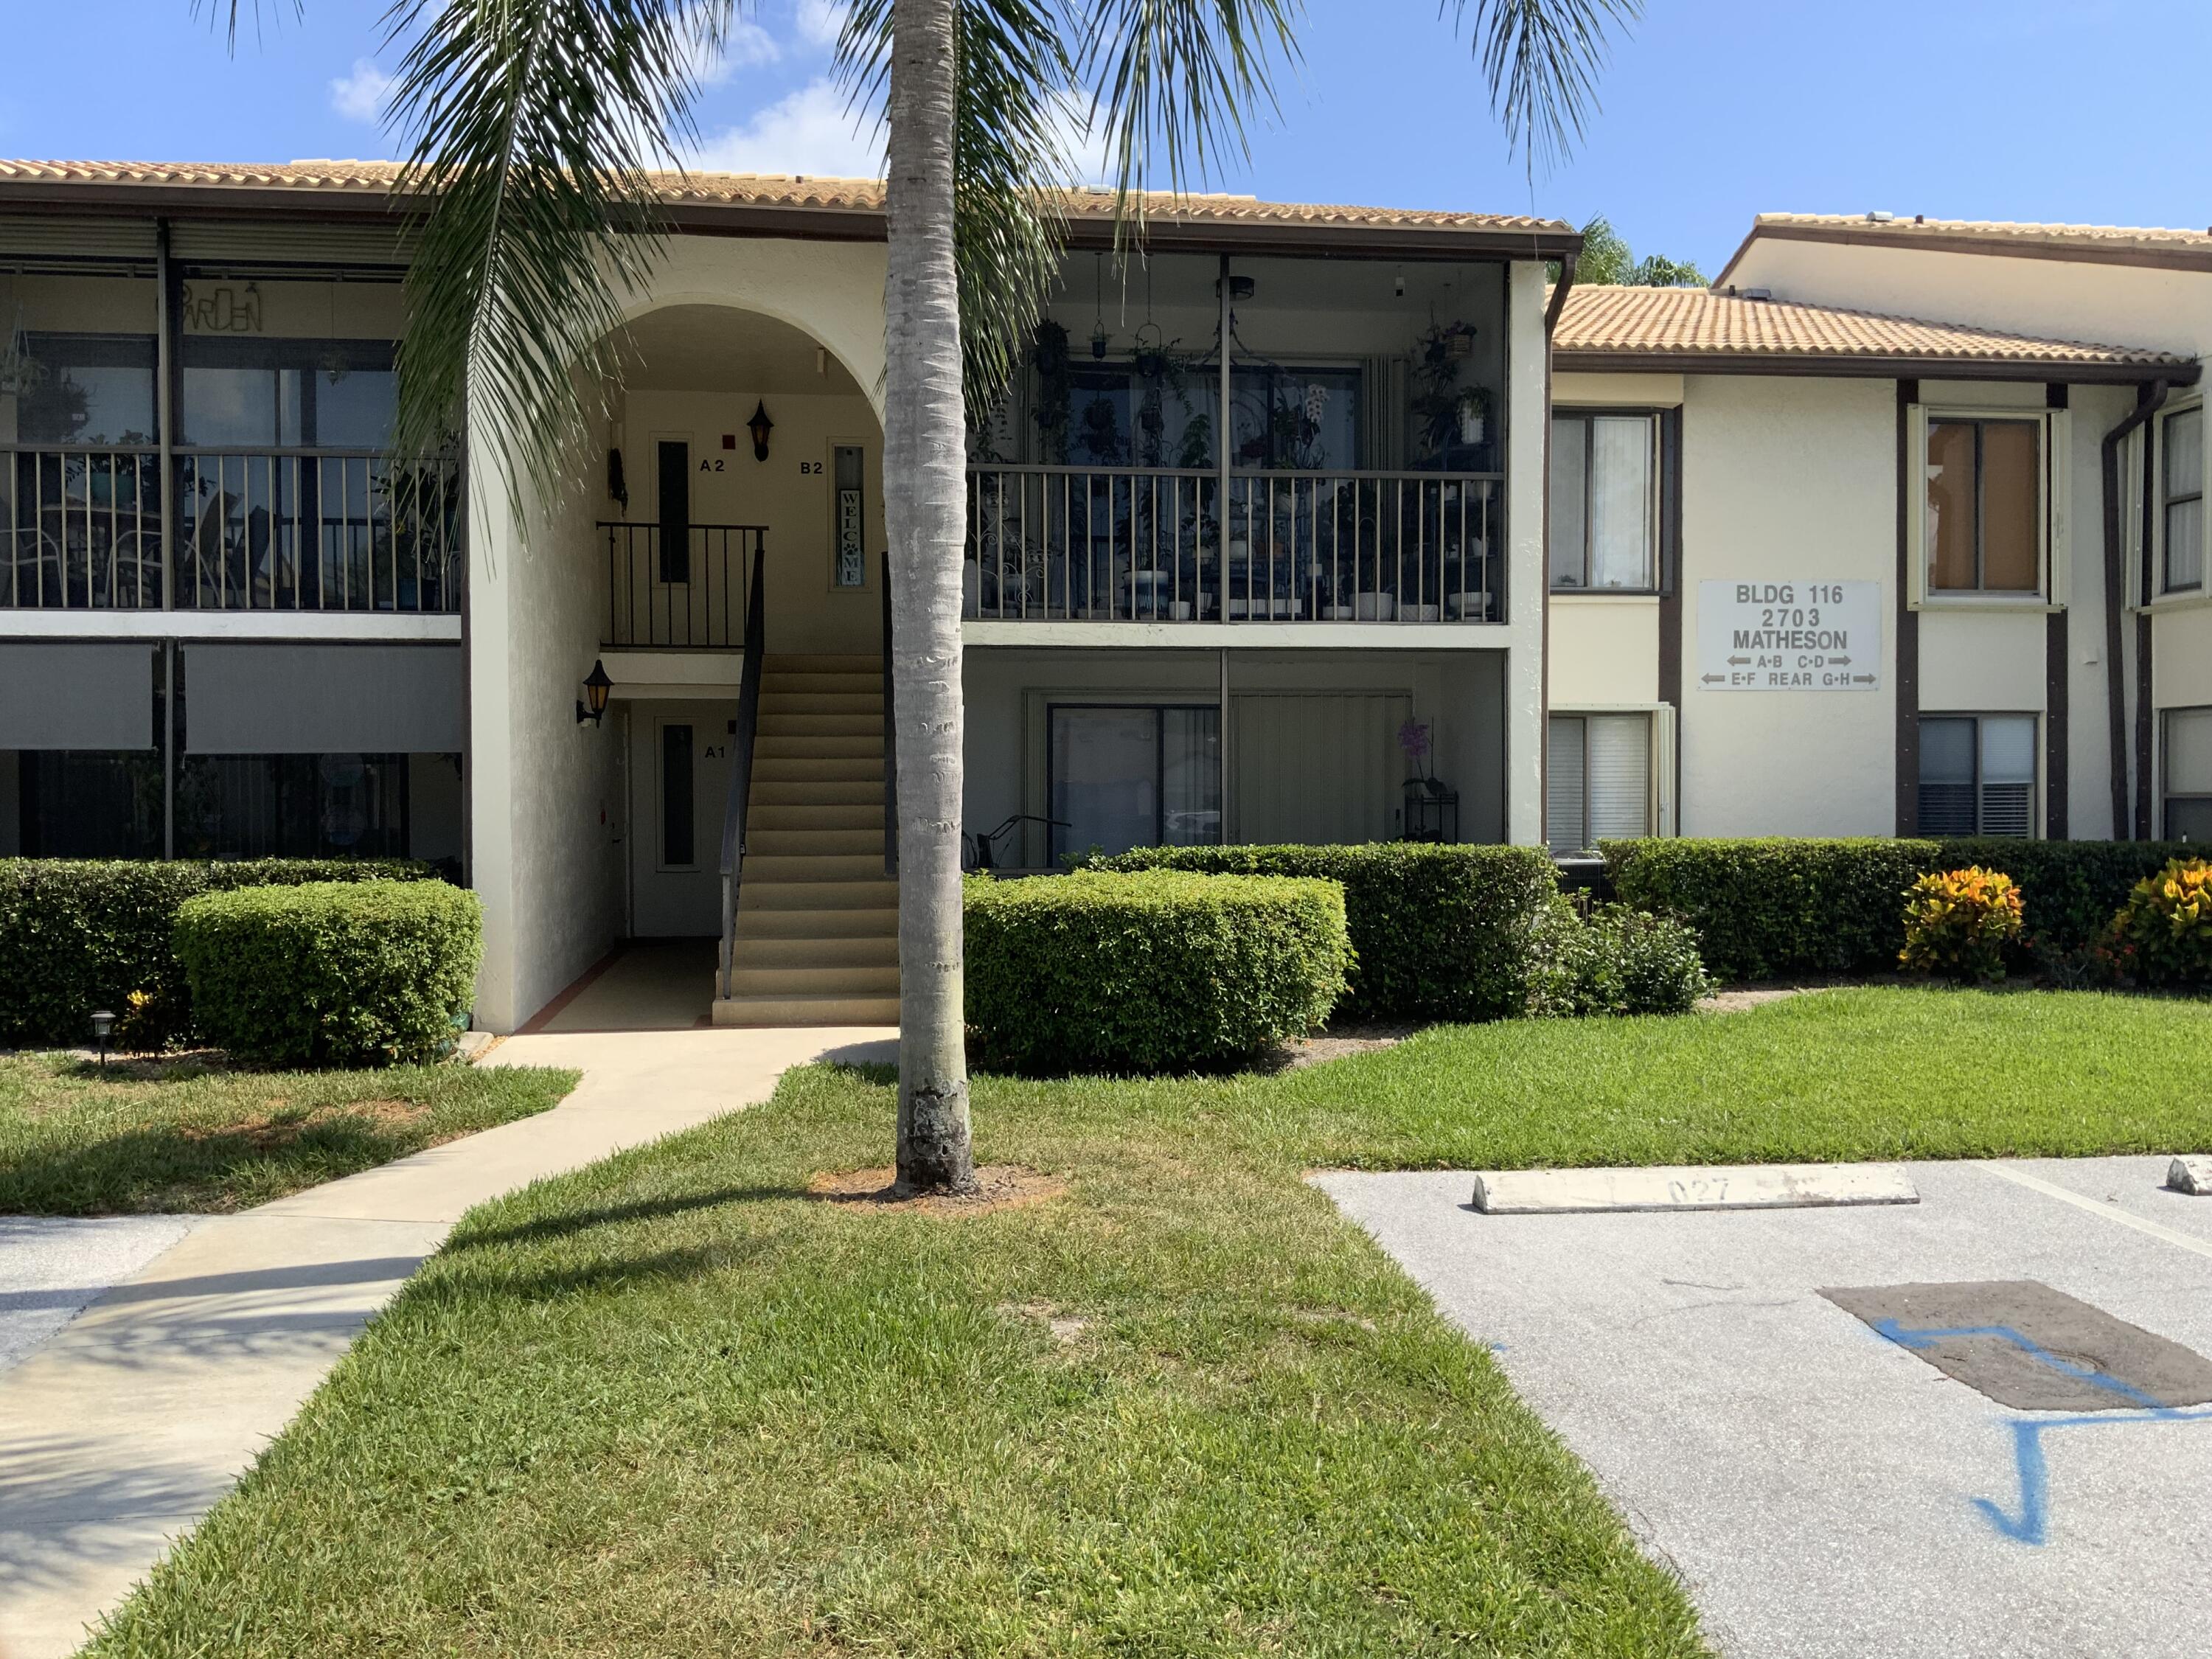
1439,932
1777,906
1159,971
81,934
332,973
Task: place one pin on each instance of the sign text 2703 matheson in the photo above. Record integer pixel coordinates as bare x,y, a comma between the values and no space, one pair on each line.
1789,636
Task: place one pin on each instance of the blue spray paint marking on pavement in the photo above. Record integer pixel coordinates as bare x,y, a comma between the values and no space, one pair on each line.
2031,1524
2036,1350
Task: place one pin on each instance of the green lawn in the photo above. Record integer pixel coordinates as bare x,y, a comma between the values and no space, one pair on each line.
156,1136
672,1405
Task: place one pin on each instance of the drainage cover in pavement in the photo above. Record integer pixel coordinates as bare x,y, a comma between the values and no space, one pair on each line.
2026,1345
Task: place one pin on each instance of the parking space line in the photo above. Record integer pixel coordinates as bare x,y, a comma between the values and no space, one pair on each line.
2110,1212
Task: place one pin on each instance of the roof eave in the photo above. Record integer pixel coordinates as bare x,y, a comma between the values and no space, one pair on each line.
1914,239
1164,233
1838,367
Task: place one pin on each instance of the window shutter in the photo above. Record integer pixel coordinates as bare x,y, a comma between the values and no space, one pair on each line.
1915,485
1563,799
2059,511
1663,737
1619,766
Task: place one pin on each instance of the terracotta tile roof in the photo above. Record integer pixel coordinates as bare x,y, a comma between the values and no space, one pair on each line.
1664,325
710,190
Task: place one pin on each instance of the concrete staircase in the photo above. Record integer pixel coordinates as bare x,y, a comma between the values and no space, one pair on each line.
817,919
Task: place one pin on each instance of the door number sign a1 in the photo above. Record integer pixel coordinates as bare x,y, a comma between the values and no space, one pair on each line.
1789,635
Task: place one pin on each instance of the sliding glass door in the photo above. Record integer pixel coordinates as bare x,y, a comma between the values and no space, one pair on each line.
1126,776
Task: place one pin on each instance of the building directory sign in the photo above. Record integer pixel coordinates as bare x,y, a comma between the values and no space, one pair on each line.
1789,636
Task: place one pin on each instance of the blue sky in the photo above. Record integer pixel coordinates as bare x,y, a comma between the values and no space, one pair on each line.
1713,110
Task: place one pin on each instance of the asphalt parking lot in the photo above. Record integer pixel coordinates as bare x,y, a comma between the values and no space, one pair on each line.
1818,1478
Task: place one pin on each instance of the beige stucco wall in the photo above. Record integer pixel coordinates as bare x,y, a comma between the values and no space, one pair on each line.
1787,479
546,793
804,612
2119,304
1604,650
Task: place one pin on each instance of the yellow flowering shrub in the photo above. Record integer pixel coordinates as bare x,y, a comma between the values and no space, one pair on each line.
1958,921
2168,920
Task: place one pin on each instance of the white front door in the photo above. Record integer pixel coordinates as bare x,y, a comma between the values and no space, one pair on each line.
680,774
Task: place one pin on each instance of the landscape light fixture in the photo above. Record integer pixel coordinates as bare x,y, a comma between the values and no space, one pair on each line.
593,705
760,425
103,1024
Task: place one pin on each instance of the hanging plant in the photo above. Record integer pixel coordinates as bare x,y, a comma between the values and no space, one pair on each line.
1049,357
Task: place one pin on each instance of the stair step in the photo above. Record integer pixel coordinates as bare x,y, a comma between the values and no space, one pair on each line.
811,869
825,979
859,951
806,1011
763,842
814,924
803,699
848,894
781,817
867,747
823,790
811,726
866,770
773,685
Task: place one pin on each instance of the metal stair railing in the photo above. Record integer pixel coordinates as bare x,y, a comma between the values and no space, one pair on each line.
741,765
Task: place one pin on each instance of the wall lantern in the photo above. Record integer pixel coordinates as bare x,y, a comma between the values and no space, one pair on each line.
596,687
760,425
103,1024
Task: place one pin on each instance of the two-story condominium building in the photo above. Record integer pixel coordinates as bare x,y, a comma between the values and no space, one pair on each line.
1258,550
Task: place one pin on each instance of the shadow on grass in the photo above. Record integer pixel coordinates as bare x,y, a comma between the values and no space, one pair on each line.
614,1215
183,1167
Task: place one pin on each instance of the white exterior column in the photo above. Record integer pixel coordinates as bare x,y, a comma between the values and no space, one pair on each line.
493,546
1527,435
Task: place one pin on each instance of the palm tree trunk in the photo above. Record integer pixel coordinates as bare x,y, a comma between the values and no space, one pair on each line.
923,510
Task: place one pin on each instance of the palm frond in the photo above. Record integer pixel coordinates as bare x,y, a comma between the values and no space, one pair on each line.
533,129
1172,82
1540,58
1011,167
228,11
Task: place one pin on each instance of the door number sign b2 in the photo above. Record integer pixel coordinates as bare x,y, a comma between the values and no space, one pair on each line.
1789,635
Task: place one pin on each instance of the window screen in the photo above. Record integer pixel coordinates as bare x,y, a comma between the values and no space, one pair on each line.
1604,506
2182,490
1977,775
2188,770
1599,782
1984,506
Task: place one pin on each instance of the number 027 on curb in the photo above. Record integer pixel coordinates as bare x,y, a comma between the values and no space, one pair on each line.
1789,636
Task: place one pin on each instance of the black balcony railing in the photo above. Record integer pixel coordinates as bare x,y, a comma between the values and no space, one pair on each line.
316,530
680,587
1061,544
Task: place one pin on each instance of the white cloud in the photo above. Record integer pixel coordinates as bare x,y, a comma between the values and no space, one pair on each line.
1085,152
820,21
746,44
359,96
810,132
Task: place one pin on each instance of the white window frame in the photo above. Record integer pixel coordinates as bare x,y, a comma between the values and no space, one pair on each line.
1587,413
2165,792
1659,751
2039,797
2053,520
2150,574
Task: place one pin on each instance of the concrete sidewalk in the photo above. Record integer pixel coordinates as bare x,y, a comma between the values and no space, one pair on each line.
121,1430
